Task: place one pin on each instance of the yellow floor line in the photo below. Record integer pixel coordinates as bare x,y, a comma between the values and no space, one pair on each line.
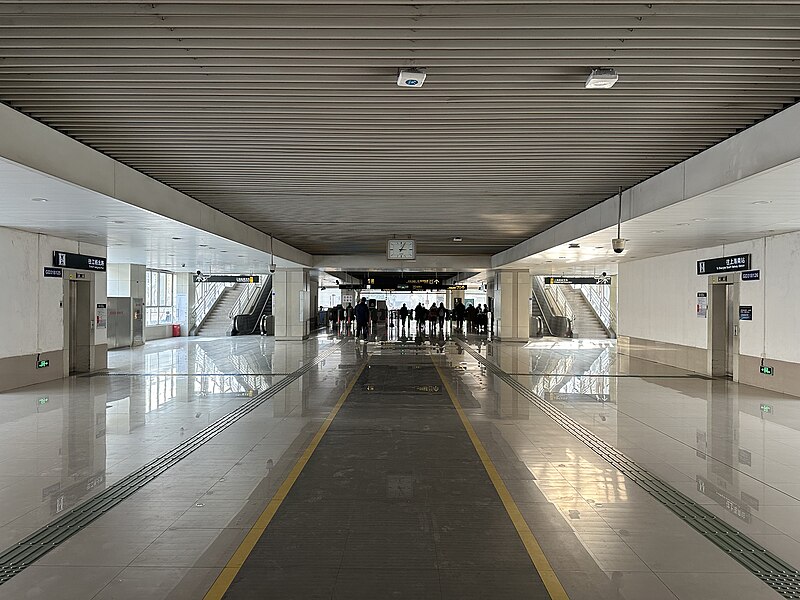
229,571
538,558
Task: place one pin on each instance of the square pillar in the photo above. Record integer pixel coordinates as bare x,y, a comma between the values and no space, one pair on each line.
291,303
511,309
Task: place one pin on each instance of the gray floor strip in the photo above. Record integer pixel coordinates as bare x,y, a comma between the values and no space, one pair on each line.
16,558
769,568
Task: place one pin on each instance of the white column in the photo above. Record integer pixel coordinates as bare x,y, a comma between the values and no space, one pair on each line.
291,303
512,305
185,297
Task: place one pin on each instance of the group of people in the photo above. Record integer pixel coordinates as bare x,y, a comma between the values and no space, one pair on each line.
344,319
476,318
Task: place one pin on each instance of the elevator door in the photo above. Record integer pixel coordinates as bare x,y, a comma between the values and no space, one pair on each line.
80,327
730,329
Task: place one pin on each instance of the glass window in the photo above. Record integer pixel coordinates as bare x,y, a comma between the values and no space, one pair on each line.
160,298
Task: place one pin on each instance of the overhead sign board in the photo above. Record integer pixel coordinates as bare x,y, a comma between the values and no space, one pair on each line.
751,275
81,262
227,279
725,264
568,280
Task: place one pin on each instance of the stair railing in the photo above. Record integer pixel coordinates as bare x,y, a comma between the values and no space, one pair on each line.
207,297
601,305
243,301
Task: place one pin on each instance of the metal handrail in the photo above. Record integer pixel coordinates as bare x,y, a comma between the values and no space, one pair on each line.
243,301
206,302
558,300
541,311
600,304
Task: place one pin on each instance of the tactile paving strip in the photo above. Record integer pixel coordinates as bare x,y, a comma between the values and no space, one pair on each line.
16,558
772,570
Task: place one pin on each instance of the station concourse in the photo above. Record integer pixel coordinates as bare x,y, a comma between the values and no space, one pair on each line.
442,300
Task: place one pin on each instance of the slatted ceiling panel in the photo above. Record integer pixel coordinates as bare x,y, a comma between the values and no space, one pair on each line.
285,115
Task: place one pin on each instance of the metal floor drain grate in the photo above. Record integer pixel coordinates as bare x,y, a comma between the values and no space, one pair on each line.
16,558
772,570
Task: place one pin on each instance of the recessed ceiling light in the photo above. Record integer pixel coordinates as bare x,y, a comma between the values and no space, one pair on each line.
458,238
657,231
762,202
118,222
177,238
699,220
223,250
102,216
38,199
203,245
681,224
601,79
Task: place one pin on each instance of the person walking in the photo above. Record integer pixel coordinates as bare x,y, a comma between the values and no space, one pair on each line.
470,312
441,314
433,314
419,315
459,311
362,319
349,315
403,315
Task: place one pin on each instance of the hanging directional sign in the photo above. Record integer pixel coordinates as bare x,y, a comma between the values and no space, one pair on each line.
81,262
710,266
227,279
570,280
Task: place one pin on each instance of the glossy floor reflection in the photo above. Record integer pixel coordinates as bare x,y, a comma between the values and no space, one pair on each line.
604,536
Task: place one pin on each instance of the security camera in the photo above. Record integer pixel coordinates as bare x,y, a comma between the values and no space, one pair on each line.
183,265
273,267
618,244
604,273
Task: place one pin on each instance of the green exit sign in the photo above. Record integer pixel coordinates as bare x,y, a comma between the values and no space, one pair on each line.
44,400
766,408
42,364
765,370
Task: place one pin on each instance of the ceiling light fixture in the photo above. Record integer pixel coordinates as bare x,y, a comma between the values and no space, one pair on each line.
601,79
759,202
700,220
38,199
458,238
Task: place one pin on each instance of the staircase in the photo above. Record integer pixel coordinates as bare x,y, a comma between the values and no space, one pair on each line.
218,323
586,324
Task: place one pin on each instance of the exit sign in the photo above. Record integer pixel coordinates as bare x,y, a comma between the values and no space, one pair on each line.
765,370
766,408
42,364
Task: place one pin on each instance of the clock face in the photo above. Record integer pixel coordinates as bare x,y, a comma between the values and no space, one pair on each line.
401,250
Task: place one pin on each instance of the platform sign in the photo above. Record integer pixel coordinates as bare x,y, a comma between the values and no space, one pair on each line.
724,264
80,262
751,275
745,313
570,280
226,278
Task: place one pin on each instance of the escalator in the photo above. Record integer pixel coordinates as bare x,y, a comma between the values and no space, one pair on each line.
259,313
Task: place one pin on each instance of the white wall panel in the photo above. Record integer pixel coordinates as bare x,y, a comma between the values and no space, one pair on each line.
657,298
31,315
